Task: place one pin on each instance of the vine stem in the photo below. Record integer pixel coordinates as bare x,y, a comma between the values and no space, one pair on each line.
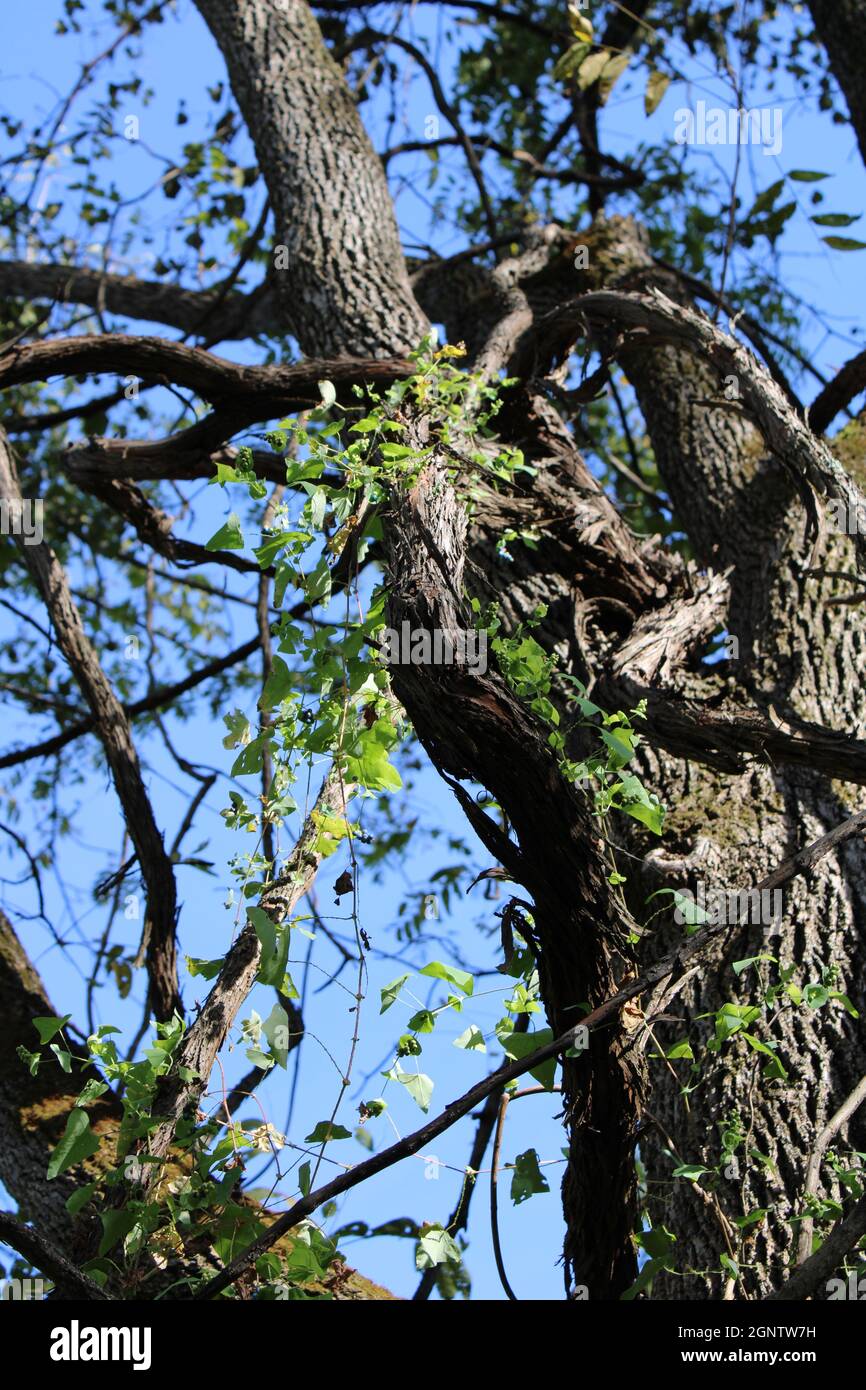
494,1173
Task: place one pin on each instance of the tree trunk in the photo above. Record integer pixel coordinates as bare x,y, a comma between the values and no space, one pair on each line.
340,276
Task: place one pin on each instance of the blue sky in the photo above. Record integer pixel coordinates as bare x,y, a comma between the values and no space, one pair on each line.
179,61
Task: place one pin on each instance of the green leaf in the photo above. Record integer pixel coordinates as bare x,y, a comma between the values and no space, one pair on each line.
568,64
836,219
423,1021
472,1040
844,243
331,831
91,1091
278,686
740,965
317,584
80,1197
115,1226
764,201
647,1273
276,1030
63,1057
816,996
78,1143
807,175
756,1214
325,1131
436,1247
396,452
318,507
228,537
460,979
692,1171
47,1026
527,1177
249,760
266,553
657,1242
620,744
368,763
304,1178
208,969
390,993
520,1045
776,1070
652,816
275,946
845,1002
238,729
419,1086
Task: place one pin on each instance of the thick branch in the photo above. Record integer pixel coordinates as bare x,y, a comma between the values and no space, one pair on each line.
45,1256
807,1278
255,393
841,27
33,1108
232,316
112,726
786,434
848,383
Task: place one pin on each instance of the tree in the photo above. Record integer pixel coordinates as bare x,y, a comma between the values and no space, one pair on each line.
638,675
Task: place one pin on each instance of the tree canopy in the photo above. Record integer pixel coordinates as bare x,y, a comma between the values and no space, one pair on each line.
432,534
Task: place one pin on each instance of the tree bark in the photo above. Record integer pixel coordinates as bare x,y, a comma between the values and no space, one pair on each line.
841,27
344,289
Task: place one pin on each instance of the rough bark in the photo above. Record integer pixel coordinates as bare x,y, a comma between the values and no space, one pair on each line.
158,945
799,653
34,1109
622,613
473,727
841,27
233,316
345,289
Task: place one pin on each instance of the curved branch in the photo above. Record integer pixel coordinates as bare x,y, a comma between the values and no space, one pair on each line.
841,27
631,178
849,1106
45,1256
848,383
366,36
485,7
845,1235
228,316
112,726
789,438
252,393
